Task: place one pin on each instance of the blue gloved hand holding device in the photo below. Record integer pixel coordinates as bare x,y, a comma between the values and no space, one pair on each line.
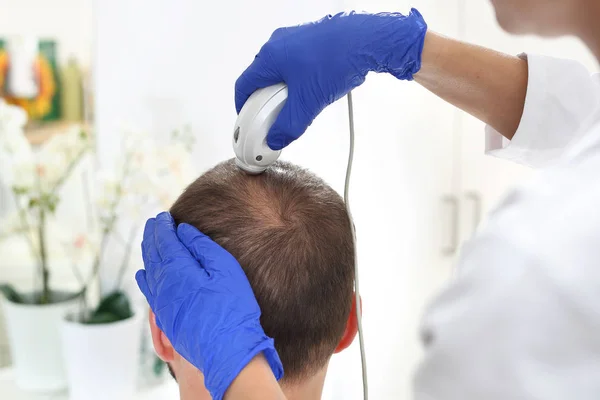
321,62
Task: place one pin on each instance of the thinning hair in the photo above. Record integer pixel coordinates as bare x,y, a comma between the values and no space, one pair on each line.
292,236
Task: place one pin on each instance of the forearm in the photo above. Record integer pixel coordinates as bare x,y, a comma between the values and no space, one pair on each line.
487,84
255,382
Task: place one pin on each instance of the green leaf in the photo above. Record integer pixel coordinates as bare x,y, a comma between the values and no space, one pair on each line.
159,366
51,204
116,304
47,201
11,294
19,191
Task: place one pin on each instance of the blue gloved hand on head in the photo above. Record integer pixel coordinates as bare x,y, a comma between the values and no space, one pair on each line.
203,302
322,61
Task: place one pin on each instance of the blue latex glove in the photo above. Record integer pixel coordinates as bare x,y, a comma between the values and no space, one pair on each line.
322,61
203,302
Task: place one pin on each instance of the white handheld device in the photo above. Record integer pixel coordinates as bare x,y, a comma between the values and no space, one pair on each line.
256,118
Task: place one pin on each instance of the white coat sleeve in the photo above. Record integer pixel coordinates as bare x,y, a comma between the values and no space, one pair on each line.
561,95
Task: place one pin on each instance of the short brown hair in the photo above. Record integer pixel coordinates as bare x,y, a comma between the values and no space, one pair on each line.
291,234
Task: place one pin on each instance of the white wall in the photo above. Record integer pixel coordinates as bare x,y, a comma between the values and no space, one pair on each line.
163,63
69,22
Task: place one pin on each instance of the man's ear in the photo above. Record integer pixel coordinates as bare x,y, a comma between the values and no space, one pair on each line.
351,328
162,345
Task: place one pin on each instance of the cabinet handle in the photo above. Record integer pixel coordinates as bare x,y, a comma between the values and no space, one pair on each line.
452,201
477,208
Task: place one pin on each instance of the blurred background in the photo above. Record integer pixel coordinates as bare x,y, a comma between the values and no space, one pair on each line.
127,101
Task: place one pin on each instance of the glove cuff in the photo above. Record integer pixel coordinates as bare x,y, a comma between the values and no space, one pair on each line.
218,385
398,40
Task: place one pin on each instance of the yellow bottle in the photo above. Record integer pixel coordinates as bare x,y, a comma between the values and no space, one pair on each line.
71,92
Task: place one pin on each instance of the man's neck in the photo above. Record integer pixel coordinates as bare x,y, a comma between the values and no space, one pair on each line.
309,389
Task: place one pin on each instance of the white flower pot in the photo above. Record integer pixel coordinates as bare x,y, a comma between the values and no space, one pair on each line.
102,360
35,344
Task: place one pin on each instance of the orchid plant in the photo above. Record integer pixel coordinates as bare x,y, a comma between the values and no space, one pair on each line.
146,175
35,179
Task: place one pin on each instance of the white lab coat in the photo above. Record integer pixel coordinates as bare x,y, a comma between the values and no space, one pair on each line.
521,319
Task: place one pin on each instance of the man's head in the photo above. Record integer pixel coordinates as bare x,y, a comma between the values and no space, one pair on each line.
292,236
544,17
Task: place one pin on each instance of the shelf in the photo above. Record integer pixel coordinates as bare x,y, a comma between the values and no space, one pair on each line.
38,133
